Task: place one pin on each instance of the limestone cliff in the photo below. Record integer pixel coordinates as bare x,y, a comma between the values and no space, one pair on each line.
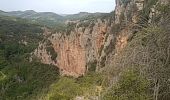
90,45
76,49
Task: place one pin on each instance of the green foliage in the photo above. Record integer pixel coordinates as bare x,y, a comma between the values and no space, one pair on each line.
52,52
164,9
17,26
26,80
20,79
84,16
131,86
155,43
3,61
68,88
86,23
13,33
64,89
59,28
90,79
70,27
92,66
149,51
23,80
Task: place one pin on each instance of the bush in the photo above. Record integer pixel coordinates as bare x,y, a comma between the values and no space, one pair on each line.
64,89
52,52
131,86
92,66
26,80
68,88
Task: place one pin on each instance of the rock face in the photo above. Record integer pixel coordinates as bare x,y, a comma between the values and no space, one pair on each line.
91,44
83,45
127,10
79,48
71,55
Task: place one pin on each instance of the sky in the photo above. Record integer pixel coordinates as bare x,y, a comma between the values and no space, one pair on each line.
58,6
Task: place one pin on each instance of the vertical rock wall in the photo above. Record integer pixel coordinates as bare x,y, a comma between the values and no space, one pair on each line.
93,41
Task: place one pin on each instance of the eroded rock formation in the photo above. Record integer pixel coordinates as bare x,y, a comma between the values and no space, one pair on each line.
92,41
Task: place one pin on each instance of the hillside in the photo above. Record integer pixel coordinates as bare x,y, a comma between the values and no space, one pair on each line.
122,55
49,19
17,40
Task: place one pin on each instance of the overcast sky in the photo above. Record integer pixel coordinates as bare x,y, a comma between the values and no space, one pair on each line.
59,6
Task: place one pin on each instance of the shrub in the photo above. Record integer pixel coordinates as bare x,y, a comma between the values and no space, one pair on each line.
52,52
131,86
64,89
68,88
26,80
92,66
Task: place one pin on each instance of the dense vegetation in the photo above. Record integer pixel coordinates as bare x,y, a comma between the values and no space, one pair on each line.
140,72
20,79
68,88
24,80
145,61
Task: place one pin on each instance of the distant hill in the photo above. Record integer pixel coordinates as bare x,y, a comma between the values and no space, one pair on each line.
23,14
83,15
43,18
2,12
49,19
32,14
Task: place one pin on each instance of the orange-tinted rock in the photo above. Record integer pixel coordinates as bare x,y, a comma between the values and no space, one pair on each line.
71,57
76,50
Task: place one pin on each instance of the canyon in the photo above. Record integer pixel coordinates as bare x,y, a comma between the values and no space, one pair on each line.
121,55
92,43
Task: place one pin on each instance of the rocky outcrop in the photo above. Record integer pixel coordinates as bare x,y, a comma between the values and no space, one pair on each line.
71,54
127,9
42,54
94,42
77,49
